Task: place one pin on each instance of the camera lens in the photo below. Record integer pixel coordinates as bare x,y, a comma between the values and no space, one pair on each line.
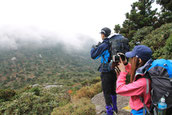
122,57
116,58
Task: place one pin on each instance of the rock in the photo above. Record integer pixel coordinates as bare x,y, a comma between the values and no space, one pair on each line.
35,85
51,86
98,101
40,55
13,58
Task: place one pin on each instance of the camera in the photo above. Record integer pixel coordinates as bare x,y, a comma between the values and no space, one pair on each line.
116,58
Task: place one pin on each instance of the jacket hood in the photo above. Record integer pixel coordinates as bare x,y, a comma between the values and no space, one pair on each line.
143,69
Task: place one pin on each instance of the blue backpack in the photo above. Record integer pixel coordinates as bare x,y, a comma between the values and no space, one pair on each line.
160,73
163,63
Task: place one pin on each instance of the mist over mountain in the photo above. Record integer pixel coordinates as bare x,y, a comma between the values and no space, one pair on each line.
30,56
15,38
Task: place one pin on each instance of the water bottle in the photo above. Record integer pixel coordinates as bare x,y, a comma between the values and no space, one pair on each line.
162,106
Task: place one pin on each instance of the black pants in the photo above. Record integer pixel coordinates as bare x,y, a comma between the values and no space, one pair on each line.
108,86
169,111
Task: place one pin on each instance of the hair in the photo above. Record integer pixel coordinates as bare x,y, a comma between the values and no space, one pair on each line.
134,66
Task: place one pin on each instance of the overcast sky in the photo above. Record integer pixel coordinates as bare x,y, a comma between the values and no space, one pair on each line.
65,17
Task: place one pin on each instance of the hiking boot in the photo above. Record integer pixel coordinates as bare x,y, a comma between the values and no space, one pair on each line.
109,110
115,109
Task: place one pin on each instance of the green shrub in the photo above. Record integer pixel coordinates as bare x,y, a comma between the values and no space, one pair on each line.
35,90
168,48
139,35
156,40
88,91
6,94
34,101
82,106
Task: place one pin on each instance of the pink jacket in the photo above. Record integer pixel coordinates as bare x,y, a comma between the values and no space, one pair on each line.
135,90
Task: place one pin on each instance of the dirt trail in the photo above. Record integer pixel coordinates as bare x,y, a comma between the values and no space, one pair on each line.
99,102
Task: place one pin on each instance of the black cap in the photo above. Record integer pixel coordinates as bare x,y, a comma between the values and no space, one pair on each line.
106,31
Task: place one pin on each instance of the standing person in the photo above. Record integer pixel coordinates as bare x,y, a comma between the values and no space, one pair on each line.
108,80
139,88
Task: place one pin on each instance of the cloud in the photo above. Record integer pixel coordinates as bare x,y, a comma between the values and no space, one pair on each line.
13,38
65,16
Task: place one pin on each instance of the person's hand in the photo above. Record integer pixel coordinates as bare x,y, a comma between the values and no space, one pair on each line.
117,71
98,44
125,62
95,46
121,65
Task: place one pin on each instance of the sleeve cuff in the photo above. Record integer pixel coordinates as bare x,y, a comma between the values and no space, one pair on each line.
123,74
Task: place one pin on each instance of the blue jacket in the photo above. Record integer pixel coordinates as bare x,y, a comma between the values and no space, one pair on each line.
102,51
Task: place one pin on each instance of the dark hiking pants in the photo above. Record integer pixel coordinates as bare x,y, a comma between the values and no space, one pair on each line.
108,86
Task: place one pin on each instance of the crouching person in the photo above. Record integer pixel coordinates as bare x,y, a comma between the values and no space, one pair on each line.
138,88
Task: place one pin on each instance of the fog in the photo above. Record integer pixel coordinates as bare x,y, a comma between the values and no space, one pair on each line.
13,38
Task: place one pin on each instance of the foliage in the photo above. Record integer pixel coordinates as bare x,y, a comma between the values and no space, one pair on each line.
29,102
140,35
38,99
88,91
165,16
82,106
168,48
35,90
117,28
55,66
140,16
6,94
156,40
166,4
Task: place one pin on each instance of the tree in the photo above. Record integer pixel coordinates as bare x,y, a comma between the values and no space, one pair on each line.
140,15
166,4
165,16
117,28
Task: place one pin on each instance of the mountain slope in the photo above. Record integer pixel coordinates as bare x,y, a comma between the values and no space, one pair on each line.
52,65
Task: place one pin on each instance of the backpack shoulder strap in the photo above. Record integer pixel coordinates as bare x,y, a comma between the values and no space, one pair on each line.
145,107
147,86
147,91
147,82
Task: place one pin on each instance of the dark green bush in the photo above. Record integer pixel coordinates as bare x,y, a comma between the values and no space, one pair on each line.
6,94
31,101
35,90
156,40
168,48
139,35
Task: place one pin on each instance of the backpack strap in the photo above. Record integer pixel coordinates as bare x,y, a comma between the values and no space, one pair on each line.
147,82
147,91
147,85
142,99
145,107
